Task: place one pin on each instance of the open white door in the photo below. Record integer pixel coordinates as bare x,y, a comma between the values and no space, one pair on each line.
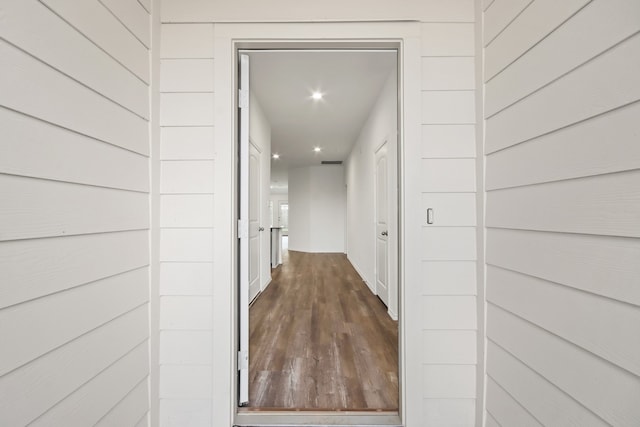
243,233
382,225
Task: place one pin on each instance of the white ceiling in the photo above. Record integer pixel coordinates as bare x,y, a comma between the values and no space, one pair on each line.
283,82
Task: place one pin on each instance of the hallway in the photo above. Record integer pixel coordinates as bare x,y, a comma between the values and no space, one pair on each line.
321,340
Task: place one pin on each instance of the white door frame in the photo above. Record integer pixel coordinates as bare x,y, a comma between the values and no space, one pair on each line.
406,37
244,235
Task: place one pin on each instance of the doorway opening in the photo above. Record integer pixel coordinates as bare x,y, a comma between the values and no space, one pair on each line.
323,323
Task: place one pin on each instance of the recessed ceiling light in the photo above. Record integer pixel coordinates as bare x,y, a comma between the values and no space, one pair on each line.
317,149
276,156
317,96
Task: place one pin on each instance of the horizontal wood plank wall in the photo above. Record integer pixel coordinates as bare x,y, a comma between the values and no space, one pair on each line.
187,154
563,212
74,213
447,389
449,326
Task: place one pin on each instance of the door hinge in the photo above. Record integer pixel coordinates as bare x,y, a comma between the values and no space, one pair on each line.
243,98
243,229
243,360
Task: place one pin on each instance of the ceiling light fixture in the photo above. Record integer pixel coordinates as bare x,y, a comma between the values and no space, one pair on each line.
317,149
276,156
317,96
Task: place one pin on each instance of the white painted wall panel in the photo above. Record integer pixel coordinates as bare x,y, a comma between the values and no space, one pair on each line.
133,16
187,143
146,4
602,387
449,243
29,391
607,205
602,265
35,208
486,4
186,278
35,148
31,26
187,213
448,106
317,209
449,312
131,409
186,347
92,401
604,144
144,421
607,82
331,10
447,10
448,39
186,244
186,40
73,160
186,210
450,347
602,326
593,30
84,307
449,412
448,141
185,313
450,209
186,109
562,210
185,412
36,267
448,175
537,21
505,408
185,382
449,381
499,16
491,421
449,278
97,23
186,75
448,73
56,98
541,398
187,177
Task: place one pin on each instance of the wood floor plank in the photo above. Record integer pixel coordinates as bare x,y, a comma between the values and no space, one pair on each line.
320,340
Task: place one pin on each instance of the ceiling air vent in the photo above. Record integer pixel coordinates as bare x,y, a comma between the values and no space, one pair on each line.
331,162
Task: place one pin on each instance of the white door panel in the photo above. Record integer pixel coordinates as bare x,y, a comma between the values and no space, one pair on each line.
382,225
254,221
243,234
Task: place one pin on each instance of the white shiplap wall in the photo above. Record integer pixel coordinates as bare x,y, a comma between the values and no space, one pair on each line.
187,154
447,332
449,326
74,215
563,212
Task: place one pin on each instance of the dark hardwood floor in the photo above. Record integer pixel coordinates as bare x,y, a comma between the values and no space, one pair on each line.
319,339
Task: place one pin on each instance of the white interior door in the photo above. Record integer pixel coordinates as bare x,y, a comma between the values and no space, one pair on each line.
283,216
255,228
243,233
382,225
